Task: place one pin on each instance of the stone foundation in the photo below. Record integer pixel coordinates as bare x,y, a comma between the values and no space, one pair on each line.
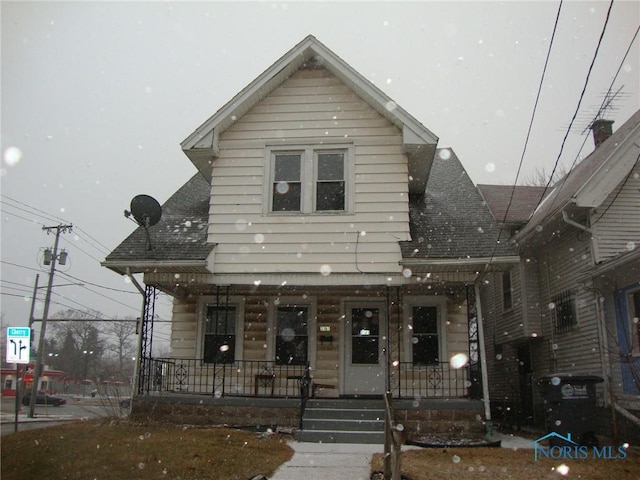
453,417
193,410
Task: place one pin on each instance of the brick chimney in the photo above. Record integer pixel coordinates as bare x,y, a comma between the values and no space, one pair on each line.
602,129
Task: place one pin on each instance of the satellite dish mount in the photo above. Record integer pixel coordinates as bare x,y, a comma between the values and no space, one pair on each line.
146,212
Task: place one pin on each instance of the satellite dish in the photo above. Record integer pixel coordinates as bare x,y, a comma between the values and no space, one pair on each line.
147,212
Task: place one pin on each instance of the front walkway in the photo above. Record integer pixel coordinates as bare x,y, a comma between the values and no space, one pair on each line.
346,461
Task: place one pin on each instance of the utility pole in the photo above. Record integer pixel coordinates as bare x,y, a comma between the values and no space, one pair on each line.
38,370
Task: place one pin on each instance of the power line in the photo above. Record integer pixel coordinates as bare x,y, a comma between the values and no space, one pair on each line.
47,216
97,285
533,114
575,114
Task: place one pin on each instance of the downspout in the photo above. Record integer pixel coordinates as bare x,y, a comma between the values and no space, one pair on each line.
136,371
483,365
573,223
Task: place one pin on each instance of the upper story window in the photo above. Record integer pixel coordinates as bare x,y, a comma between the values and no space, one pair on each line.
309,180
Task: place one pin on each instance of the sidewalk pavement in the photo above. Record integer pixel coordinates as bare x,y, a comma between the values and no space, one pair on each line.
328,461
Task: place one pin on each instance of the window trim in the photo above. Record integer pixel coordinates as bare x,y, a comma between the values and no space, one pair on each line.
292,301
201,309
407,313
309,178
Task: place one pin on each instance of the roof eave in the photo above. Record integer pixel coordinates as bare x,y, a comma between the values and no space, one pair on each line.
478,264
158,266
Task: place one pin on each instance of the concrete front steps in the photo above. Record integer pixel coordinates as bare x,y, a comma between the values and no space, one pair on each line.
343,421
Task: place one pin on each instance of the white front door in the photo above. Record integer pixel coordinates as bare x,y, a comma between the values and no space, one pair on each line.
364,343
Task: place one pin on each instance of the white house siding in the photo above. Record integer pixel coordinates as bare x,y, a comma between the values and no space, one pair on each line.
184,323
616,223
560,264
312,108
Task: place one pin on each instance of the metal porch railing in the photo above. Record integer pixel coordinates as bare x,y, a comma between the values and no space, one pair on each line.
259,378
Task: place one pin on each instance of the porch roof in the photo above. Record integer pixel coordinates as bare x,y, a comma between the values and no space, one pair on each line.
450,223
178,241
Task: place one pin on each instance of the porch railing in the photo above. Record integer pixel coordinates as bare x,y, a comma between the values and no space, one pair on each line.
432,381
247,378
259,378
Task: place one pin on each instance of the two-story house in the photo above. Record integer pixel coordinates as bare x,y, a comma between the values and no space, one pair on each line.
571,305
325,233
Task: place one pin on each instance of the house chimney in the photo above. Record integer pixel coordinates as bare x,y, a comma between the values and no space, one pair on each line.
601,130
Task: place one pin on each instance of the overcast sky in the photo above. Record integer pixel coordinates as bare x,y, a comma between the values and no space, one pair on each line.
96,98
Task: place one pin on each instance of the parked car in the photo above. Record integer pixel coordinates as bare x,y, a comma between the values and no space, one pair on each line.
44,399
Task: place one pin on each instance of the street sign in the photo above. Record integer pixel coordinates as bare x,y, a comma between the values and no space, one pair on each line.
18,344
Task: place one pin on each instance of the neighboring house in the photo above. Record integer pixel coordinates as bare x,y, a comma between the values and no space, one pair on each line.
324,229
571,305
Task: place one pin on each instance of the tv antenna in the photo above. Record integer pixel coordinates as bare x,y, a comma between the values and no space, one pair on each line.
146,212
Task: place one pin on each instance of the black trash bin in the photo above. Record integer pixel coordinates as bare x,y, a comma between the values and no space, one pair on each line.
570,407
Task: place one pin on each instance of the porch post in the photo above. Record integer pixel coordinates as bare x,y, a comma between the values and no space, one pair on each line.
483,365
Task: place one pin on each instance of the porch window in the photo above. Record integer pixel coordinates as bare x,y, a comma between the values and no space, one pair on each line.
220,334
507,301
564,311
292,339
425,340
308,180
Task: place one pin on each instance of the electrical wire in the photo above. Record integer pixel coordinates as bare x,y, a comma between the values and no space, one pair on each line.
533,115
575,114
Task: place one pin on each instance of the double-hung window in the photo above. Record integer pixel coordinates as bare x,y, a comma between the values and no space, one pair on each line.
308,180
219,334
425,338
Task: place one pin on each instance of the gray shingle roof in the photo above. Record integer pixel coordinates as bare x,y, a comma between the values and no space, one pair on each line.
566,187
525,199
179,236
451,220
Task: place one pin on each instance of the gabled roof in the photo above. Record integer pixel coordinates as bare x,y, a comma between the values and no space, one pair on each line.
519,200
202,145
179,239
451,221
590,182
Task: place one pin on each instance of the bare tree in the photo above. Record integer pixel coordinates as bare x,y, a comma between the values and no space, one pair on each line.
121,343
540,176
